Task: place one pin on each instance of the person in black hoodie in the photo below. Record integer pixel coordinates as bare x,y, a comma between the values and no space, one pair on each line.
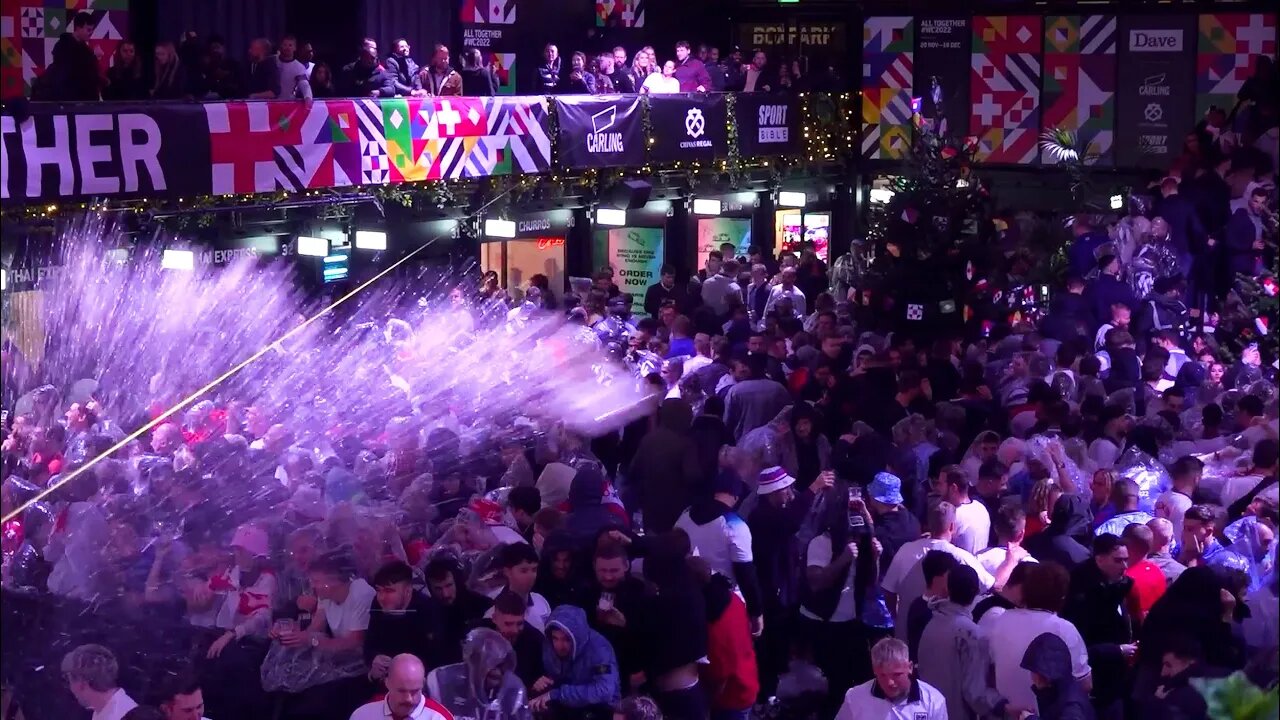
674,625
1058,695
399,621
1176,697
1195,605
455,610
665,470
508,619
1069,523
477,80
558,571
1162,310
588,513
73,74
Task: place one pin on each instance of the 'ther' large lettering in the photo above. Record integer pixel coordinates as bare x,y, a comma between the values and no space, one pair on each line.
109,154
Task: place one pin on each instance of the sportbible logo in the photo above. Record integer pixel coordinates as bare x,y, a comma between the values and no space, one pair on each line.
773,124
695,126
1155,40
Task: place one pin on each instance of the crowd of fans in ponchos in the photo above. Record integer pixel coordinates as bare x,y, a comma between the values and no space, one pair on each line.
815,520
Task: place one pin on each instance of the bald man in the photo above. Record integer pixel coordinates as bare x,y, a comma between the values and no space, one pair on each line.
404,700
1162,549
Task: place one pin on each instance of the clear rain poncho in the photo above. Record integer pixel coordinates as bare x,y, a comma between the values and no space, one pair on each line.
484,685
1149,473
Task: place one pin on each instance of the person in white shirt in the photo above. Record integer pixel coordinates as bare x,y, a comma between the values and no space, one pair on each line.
405,699
519,564
1010,524
342,608
702,356
973,522
92,674
786,288
893,693
723,539
1044,593
1120,317
662,83
1172,504
904,580
182,699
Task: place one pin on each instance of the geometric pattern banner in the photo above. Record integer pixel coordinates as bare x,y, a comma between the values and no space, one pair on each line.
1080,80
887,53
158,149
620,13
1229,46
30,28
1005,87
490,27
262,147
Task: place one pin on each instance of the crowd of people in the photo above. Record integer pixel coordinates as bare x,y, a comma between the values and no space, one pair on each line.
822,514
817,520
200,68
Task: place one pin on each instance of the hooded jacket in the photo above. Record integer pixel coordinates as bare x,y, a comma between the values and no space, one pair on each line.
665,468
461,688
724,540
1058,543
589,675
954,658
1064,699
589,514
1105,291
1097,608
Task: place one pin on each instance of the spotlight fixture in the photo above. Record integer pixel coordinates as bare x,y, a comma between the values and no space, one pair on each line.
792,199
611,216
313,246
494,227
1117,202
880,195
706,206
371,240
178,260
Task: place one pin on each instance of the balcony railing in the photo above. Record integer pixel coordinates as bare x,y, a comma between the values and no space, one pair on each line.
53,152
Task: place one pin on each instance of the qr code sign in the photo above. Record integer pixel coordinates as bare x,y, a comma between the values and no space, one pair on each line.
915,312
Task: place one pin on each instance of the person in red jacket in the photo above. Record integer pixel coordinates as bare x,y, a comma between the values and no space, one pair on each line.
731,676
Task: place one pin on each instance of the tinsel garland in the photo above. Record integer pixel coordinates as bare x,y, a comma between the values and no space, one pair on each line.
828,133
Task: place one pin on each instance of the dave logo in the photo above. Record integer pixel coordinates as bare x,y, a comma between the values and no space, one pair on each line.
1155,40
773,124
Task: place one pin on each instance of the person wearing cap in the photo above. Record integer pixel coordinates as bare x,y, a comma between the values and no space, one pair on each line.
723,539
774,522
243,596
890,522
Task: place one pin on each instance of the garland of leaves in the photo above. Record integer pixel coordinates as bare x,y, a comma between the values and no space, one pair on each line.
828,140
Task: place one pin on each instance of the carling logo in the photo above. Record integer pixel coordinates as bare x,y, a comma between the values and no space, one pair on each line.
599,141
1155,40
773,124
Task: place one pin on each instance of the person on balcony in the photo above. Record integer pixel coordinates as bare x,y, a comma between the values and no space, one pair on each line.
754,77
689,71
404,70
478,80
662,83
366,77
440,79
547,81
262,74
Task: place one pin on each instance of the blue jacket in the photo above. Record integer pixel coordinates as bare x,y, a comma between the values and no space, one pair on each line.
589,676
